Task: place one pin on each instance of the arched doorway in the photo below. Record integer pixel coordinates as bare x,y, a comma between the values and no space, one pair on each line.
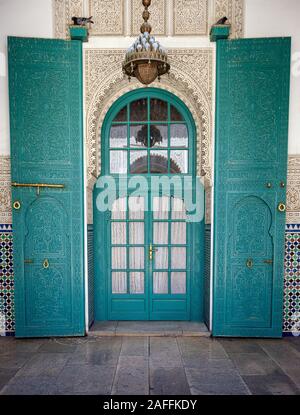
148,255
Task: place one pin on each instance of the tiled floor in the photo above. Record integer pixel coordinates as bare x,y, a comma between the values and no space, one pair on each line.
149,365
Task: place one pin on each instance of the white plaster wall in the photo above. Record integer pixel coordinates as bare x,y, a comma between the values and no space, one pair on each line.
268,18
29,18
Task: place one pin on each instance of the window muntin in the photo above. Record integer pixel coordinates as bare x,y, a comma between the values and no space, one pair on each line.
149,136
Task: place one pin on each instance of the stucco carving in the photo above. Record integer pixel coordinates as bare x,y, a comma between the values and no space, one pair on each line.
108,17
63,12
234,10
157,19
293,190
190,17
190,80
5,191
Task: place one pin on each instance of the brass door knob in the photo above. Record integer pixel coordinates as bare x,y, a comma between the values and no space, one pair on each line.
46,264
17,204
281,207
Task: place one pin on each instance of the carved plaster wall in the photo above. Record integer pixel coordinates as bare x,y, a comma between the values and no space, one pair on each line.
5,191
63,12
190,17
168,17
108,17
293,190
234,10
190,80
158,11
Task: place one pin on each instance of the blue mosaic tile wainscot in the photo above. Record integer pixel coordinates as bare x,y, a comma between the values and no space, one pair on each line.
291,279
291,309
7,318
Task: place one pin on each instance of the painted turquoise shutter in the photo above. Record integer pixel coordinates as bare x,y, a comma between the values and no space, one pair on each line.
252,103
45,88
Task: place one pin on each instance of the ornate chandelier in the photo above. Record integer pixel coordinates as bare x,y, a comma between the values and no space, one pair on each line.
146,59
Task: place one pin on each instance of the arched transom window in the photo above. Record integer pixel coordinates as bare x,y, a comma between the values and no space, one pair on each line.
149,136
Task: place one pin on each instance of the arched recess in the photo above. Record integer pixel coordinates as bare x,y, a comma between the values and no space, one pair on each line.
190,80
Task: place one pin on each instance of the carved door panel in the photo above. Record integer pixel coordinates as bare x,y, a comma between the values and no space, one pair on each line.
45,85
250,178
250,261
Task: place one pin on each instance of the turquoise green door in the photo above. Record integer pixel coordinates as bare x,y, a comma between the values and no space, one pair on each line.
250,179
45,88
148,256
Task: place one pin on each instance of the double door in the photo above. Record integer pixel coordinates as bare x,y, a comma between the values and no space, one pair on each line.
146,262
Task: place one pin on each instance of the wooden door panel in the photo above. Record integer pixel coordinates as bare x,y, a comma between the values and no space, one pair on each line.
45,86
250,177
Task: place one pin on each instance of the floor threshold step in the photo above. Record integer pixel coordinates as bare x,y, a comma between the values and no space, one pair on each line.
149,328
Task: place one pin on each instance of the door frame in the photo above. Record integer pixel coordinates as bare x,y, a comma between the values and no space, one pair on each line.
101,218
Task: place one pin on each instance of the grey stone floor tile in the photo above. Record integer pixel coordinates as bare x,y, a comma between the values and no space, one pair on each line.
135,346
293,341
58,346
201,347
168,381
281,352
86,379
94,357
211,382
14,345
132,376
160,345
30,385
164,352
6,375
48,365
100,343
223,365
254,364
240,346
276,384
14,360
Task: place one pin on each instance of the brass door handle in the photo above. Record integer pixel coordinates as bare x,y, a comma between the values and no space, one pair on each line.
46,264
268,261
151,250
28,261
249,263
281,207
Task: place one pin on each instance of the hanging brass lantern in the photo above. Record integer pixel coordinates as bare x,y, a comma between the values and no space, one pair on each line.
146,59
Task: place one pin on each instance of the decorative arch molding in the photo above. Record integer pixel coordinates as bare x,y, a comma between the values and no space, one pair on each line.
190,80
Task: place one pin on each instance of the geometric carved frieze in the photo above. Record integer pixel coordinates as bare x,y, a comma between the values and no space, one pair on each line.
157,16
293,190
234,11
5,191
190,79
190,17
108,17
